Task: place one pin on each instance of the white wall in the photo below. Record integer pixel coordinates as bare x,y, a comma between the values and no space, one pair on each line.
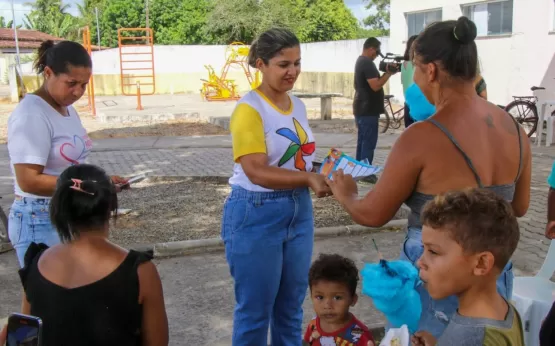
334,56
511,64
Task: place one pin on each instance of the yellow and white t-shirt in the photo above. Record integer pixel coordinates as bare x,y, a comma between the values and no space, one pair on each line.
258,126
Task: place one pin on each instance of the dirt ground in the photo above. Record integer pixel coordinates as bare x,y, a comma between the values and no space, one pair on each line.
189,208
342,122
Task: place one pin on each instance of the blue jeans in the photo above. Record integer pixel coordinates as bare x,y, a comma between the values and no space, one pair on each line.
268,240
29,221
367,138
436,314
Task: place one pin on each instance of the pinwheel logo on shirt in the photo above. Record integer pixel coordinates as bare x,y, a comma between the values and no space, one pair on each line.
299,146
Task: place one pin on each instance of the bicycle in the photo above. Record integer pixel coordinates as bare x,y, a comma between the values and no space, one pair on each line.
527,111
391,120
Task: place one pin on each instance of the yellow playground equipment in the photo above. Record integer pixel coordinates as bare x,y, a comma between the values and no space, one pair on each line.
219,88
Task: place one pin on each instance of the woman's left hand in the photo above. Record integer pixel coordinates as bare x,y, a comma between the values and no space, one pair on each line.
119,182
343,186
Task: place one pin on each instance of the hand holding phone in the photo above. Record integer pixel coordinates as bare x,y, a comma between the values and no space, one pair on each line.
24,330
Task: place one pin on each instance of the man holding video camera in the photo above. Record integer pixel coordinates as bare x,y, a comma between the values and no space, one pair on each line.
368,102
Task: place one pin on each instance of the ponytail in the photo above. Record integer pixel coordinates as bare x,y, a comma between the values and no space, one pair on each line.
40,61
59,56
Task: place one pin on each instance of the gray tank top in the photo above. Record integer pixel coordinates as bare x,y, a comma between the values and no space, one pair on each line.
417,200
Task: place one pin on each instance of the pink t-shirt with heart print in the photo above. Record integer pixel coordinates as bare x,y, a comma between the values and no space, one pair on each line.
39,135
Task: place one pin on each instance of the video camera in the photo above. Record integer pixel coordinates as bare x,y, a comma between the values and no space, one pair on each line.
391,63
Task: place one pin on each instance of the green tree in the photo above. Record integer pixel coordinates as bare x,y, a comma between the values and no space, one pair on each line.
366,33
87,16
328,20
184,24
3,23
380,19
234,20
121,14
243,20
51,17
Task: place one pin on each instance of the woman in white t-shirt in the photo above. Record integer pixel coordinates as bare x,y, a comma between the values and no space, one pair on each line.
45,136
268,221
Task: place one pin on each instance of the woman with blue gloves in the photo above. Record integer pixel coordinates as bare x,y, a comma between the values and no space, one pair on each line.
456,148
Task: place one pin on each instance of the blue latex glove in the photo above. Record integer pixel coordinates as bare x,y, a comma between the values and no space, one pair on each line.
420,108
551,178
392,287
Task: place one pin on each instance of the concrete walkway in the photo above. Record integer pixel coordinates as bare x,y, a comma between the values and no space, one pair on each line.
198,289
202,314
211,156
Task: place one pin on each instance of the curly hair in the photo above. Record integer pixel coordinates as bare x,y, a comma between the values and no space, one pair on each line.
478,220
334,268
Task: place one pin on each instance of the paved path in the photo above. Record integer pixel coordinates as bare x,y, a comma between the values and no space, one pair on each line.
195,315
199,291
201,156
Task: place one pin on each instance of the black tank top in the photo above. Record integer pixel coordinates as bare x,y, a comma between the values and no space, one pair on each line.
106,312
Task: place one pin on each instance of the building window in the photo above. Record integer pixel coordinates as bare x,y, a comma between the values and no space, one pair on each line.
491,18
417,21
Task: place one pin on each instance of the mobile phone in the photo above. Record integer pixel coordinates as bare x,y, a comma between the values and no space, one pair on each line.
24,330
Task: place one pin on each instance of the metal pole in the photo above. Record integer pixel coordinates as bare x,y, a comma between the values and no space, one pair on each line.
97,28
146,12
18,69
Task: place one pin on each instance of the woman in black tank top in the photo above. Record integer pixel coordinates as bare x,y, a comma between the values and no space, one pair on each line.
468,142
88,291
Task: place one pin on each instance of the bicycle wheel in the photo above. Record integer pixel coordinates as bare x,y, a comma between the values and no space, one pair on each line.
384,122
525,113
397,122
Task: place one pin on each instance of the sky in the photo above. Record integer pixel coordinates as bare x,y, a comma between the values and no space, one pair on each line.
356,6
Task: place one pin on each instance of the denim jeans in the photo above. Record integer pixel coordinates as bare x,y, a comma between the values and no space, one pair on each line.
367,138
268,240
436,314
29,221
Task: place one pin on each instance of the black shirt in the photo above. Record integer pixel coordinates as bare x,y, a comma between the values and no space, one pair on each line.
106,312
367,102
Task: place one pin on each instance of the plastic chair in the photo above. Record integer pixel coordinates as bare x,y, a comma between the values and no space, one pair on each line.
543,116
533,297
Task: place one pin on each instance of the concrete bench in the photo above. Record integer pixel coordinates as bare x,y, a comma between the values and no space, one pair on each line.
325,102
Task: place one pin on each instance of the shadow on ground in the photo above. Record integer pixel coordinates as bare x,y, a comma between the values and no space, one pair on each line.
199,290
171,128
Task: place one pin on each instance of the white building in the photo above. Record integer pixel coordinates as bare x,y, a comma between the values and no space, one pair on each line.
516,40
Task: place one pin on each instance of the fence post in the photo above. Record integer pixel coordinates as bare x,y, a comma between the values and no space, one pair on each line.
139,105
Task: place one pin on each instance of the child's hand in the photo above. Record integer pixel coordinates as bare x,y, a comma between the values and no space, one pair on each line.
370,343
423,339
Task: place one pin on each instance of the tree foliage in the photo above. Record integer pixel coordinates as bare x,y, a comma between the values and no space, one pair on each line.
9,24
328,20
198,21
380,19
87,16
184,24
51,17
120,14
